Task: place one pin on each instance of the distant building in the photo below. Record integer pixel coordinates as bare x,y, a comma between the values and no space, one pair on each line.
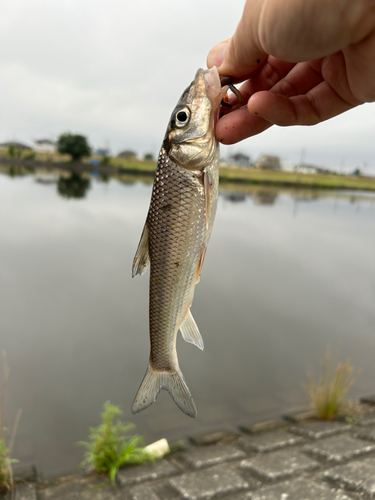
102,152
287,166
240,160
45,146
127,154
304,168
268,162
18,145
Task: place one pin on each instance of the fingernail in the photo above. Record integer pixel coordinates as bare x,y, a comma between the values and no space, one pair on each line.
216,56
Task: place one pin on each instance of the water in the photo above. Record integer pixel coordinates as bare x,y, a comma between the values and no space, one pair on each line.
286,274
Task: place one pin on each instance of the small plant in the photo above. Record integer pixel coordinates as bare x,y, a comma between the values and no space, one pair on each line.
109,448
6,474
328,393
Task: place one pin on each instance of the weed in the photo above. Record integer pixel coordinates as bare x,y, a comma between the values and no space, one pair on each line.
109,448
328,393
6,474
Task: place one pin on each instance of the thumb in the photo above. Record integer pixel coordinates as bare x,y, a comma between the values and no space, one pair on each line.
239,56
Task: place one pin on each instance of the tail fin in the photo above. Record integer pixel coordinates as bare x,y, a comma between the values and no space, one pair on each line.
173,382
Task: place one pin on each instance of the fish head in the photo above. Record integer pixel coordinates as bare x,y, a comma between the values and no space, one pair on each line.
190,138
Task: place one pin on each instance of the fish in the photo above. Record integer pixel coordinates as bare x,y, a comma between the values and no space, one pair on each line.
176,234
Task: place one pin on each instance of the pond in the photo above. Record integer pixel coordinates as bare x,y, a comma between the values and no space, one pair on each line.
287,274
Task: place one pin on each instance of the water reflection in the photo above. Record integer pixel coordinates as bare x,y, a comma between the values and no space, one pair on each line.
234,196
263,197
74,186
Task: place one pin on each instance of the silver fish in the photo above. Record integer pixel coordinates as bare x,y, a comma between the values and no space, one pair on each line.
176,234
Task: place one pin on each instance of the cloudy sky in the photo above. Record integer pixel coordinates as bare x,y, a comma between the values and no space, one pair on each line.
113,70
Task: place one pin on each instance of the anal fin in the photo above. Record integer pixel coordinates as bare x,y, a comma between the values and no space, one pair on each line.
190,332
142,257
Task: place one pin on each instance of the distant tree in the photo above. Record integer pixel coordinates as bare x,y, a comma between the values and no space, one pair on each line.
14,152
74,145
357,172
74,186
149,156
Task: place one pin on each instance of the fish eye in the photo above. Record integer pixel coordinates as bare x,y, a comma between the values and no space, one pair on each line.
182,117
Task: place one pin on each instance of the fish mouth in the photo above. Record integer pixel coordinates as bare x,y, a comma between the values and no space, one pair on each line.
214,91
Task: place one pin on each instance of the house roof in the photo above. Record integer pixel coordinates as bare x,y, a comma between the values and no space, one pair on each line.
240,156
16,144
45,141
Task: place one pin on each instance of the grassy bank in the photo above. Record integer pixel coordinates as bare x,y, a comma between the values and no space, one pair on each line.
281,178
252,176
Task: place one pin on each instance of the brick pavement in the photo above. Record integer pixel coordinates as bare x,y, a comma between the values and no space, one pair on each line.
275,460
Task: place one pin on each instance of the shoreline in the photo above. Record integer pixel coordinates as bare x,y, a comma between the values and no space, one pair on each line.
227,175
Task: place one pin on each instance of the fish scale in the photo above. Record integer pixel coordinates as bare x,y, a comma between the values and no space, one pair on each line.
176,234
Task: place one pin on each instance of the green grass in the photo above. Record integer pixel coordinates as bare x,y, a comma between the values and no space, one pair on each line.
109,447
6,473
327,394
279,177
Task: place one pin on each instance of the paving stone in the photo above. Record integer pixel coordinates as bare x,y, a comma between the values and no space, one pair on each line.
90,489
269,441
25,492
206,456
299,415
279,465
22,473
143,493
370,400
141,473
339,449
213,437
300,489
358,476
366,419
267,425
206,484
165,491
320,429
368,434
241,496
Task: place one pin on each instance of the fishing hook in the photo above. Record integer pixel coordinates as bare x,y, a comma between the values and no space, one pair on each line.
228,80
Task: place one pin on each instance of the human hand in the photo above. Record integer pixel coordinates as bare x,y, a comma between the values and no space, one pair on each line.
301,61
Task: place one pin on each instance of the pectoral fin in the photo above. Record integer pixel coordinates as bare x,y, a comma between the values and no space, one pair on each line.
190,332
200,263
142,258
206,186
